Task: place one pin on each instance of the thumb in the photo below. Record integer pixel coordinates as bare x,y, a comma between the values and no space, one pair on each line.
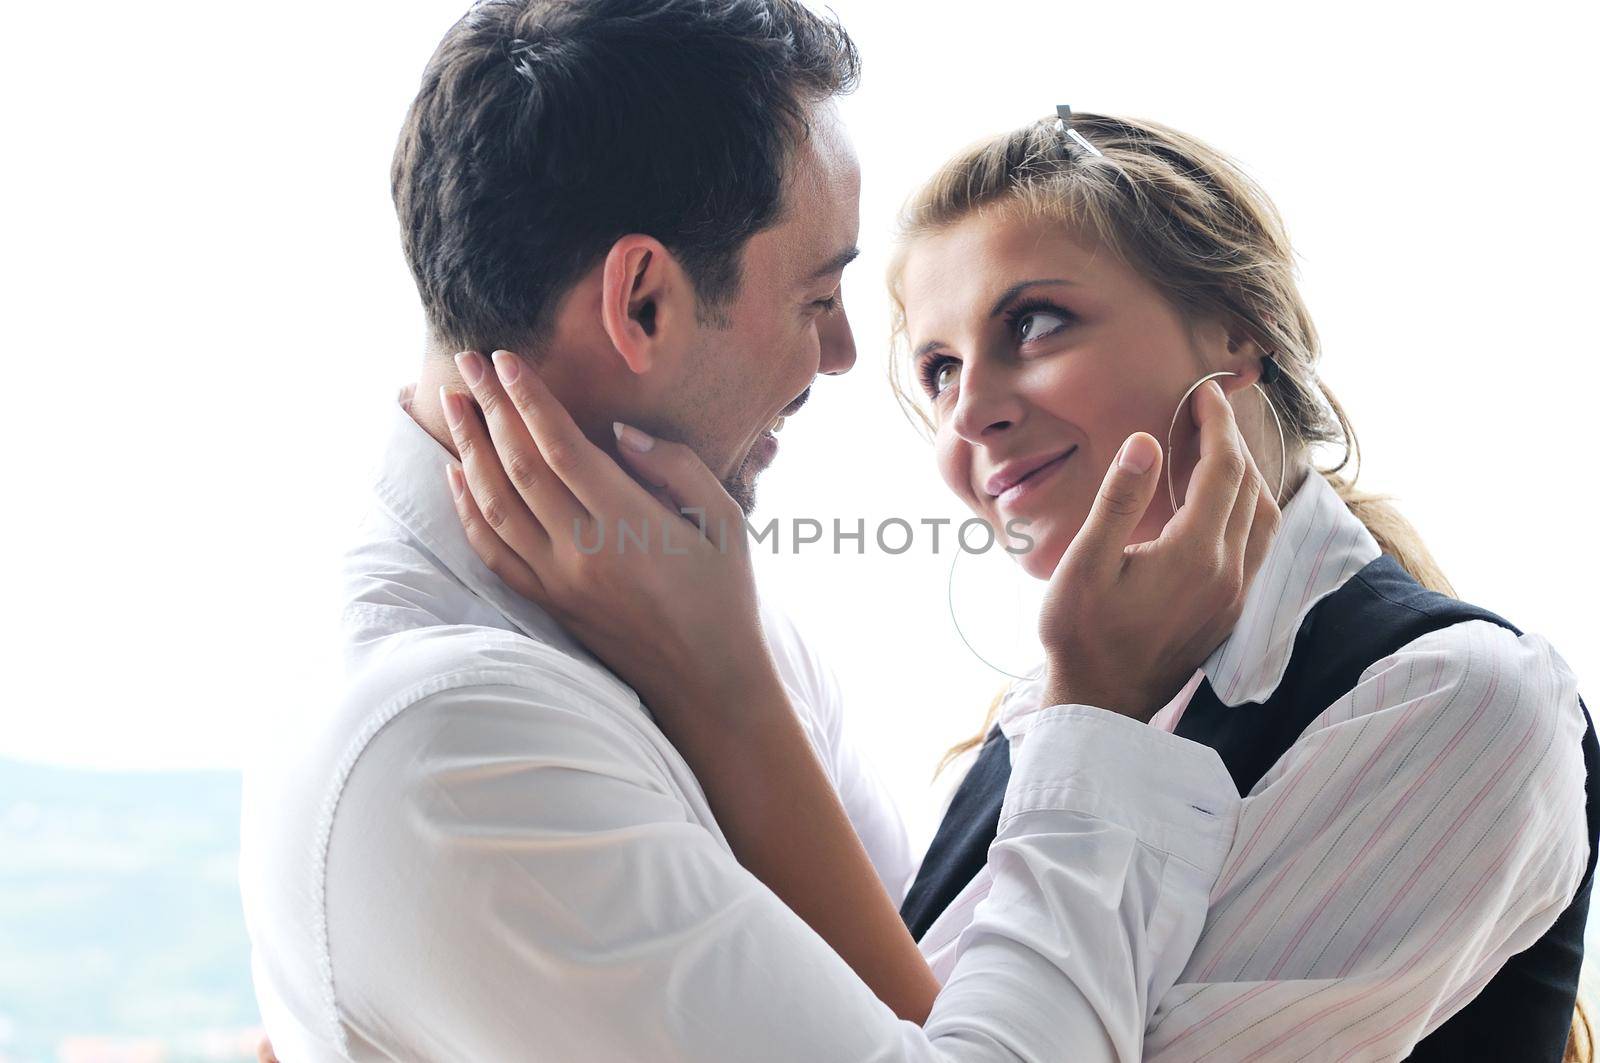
1124,497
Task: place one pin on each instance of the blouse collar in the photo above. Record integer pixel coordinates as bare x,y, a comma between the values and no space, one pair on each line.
1320,544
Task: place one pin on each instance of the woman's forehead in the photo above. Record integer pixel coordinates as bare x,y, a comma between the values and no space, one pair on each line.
967,263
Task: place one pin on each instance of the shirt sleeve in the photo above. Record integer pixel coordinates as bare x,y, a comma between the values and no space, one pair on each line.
508,878
1427,827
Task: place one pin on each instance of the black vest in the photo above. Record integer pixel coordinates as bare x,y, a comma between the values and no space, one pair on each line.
1525,1011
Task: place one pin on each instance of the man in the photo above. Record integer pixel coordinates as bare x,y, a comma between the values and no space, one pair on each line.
486,849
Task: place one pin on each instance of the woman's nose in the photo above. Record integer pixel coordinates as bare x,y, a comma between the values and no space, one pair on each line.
986,405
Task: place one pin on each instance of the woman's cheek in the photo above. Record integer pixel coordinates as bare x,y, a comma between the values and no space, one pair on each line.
954,461
1041,558
1037,545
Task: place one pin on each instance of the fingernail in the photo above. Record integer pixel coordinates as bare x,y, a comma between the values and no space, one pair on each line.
508,366
451,402
630,437
471,367
1137,454
458,485
1214,386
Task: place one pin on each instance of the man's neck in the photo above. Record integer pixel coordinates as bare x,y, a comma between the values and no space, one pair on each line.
439,370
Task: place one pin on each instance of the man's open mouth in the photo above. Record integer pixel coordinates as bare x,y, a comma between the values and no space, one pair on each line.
788,412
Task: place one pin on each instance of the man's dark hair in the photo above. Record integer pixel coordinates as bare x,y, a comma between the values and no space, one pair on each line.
547,129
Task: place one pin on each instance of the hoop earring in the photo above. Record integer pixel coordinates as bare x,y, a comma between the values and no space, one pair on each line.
1283,442
955,621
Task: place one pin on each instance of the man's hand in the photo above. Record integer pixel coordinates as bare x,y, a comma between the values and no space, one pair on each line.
1125,626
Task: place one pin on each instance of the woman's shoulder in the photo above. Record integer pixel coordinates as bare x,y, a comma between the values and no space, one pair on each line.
1441,640
1481,718
1487,670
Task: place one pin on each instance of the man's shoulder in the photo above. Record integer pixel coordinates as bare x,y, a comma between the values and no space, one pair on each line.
439,667
405,667
440,733
487,699
412,681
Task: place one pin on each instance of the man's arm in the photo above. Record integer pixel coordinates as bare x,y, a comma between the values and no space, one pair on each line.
1427,828
508,878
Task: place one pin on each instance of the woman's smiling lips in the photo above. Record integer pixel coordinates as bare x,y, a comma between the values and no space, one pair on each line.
1017,478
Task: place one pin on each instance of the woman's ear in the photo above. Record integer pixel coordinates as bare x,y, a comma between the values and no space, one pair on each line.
1244,357
647,303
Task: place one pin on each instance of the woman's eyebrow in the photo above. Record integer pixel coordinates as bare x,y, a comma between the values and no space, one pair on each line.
999,307
1017,289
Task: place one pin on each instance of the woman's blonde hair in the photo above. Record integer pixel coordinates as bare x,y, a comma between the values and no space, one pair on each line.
1187,219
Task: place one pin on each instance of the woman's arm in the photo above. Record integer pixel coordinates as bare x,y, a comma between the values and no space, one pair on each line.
681,626
684,630
1427,827
785,823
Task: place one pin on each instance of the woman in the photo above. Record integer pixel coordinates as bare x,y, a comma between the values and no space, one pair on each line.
1411,866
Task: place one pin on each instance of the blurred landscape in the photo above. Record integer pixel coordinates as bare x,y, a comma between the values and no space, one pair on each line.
121,934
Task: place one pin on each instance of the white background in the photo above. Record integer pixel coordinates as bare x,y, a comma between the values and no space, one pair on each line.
207,311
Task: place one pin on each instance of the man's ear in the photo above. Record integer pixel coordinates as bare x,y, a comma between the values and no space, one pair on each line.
647,304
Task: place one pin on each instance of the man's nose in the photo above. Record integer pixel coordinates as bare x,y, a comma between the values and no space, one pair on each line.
838,343
986,404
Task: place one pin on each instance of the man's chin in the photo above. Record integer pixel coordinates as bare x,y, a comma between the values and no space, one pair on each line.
741,487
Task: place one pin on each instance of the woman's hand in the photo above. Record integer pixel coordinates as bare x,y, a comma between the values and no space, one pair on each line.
668,602
1125,626
678,620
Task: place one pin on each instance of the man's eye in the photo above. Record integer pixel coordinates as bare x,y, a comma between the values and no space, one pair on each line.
830,304
1039,324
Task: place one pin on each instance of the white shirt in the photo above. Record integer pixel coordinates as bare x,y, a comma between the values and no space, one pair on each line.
484,849
1425,828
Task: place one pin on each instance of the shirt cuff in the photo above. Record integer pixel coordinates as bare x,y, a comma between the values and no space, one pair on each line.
1174,794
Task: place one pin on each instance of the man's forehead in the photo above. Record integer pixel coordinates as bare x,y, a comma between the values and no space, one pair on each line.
813,244
822,198
829,141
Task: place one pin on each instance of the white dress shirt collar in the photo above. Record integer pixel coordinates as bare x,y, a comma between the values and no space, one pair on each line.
411,488
1319,545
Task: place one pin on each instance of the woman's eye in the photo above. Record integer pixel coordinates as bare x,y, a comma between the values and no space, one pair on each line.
937,374
1038,324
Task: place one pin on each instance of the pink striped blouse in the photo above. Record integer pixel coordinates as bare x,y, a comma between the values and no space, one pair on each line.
1427,826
